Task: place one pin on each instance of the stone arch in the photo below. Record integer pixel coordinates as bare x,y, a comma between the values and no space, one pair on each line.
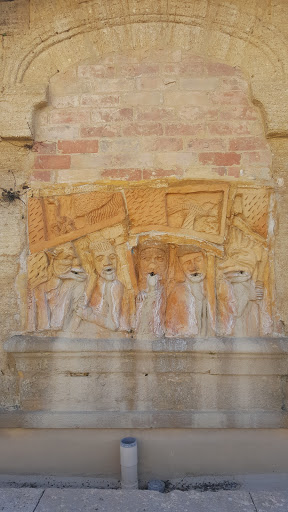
224,26
236,34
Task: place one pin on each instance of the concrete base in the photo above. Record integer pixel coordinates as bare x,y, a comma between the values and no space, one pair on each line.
163,454
168,383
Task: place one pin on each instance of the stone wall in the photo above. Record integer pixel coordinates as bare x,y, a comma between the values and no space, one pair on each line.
168,383
237,111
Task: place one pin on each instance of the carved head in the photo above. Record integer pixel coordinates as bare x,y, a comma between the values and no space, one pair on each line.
239,265
152,258
192,262
105,259
64,264
242,258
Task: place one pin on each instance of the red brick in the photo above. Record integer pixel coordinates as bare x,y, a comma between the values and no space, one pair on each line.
185,68
228,128
143,129
173,69
247,144
163,144
74,116
218,69
257,157
234,84
229,97
234,171
41,176
221,171
161,173
100,131
192,114
78,146
184,129
155,114
139,69
46,148
219,158
207,144
102,100
238,112
123,174
96,70
52,162
109,115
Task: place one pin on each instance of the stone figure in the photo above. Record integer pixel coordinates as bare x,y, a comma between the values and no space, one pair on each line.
210,277
241,290
187,311
152,266
105,305
56,298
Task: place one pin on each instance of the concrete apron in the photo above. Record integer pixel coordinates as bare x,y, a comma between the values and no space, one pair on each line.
89,500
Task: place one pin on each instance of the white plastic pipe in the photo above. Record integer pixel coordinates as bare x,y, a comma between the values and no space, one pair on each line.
129,461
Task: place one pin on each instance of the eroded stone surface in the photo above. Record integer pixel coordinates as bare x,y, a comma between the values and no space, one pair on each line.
186,261
29,64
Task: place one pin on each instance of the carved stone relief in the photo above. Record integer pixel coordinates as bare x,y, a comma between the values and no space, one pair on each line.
148,262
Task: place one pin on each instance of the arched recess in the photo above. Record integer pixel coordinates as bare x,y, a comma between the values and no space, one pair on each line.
236,33
254,51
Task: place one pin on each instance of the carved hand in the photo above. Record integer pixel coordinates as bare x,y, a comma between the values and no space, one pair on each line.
82,302
141,296
81,308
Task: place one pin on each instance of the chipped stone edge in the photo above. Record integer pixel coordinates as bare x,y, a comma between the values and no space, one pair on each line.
31,344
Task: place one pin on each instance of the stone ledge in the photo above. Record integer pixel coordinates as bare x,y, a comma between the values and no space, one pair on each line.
213,346
145,419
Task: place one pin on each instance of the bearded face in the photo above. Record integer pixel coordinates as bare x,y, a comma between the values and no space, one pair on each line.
152,260
193,266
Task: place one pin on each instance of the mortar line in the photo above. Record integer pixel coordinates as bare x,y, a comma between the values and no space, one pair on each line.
34,509
253,501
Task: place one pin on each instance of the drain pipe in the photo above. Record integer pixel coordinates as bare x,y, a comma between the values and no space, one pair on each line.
129,460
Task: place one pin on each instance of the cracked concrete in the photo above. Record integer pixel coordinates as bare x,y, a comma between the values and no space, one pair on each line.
91,500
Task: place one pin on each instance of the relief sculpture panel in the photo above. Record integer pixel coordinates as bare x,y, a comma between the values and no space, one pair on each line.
153,261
